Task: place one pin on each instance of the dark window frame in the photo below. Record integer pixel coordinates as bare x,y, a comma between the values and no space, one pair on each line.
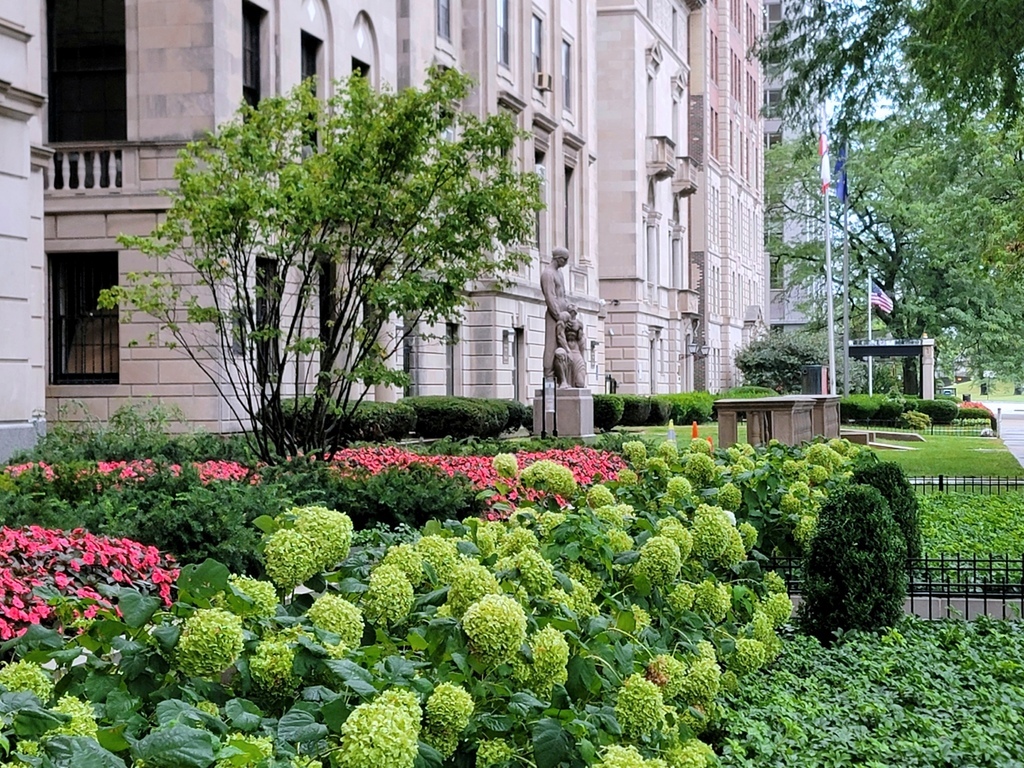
268,315
537,44
567,76
252,53
76,321
444,19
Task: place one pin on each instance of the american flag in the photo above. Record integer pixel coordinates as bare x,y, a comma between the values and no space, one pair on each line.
880,298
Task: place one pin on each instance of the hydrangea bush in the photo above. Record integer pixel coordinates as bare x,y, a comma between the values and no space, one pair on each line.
596,626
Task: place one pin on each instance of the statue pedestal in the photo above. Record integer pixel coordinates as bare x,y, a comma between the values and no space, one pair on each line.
574,409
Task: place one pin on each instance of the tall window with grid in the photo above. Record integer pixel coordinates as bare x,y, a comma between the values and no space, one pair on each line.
252,49
504,33
84,338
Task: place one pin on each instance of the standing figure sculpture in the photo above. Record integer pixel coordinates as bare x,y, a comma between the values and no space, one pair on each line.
552,284
570,363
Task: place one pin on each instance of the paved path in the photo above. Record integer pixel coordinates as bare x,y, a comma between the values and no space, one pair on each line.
1011,426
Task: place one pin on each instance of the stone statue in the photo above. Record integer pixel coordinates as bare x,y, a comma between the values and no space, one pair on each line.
570,363
552,284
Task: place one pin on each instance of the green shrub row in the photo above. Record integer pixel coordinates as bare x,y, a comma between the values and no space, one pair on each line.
884,408
651,410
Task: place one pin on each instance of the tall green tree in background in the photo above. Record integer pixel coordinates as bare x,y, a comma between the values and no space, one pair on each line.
304,229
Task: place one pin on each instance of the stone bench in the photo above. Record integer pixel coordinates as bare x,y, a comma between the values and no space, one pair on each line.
791,419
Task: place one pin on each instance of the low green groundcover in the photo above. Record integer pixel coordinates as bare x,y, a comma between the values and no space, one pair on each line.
972,524
925,694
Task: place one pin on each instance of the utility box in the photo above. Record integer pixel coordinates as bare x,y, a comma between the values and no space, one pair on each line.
814,380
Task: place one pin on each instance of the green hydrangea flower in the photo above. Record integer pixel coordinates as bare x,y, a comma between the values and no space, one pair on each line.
389,596
711,532
774,583
600,496
496,627
518,540
442,554
257,750
579,601
491,753
536,575
800,489
383,733
668,451
792,467
805,528
470,582
699,445
271,665
700,469
690,754
712,599
730,682
334,613
822,455
702,681
778,607
750,655
621,756
735,549
550,476
641,618
681,598
550,659
328,532
657,465
659,561
17,676
209,707
729,497
627,477
83,718
304,761
672,528
667,672
748,534
639,707
789,504
28,747
616,515
489,534
506,465
548,521
211,641
448,711
678,488
619,540
407,558
635,452
262,594
289,558
819,475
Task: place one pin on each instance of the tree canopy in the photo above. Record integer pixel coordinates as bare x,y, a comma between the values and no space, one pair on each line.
307,239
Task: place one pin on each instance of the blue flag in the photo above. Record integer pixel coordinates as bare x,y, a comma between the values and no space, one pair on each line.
841,189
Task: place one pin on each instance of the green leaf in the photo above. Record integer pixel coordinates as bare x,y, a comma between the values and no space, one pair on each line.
80,752
266,523
353,676
552,745
428,757
203,581
521,703
243,714
30,722
136,608
300,727
178,746
167,636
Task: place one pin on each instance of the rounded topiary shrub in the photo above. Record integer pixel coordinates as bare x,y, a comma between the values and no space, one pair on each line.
858,407
661,411
458,417
855,574
382,421
889,409
891,481
607,411
519,415
688,407
940,411
976,411
636,410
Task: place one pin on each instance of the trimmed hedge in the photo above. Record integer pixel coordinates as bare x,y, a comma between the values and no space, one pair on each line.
891,481
661,410
858,407
747,392
458,417
608,411
636,410
519,415
889,408
941,411
688,407
370,421
968,411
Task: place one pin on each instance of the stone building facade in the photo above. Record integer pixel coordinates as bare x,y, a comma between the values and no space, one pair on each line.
663,223
22,161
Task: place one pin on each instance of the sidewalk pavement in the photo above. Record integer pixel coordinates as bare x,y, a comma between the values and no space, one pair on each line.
1011,426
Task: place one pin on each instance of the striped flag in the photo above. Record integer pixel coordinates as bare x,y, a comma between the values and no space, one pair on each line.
826,179
880,298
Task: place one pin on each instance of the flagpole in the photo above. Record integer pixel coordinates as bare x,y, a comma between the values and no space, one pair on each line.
846,278
830,310
871,378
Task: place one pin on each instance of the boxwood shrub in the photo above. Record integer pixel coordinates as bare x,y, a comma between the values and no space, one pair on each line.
608,411
519,415
941,411
636,410
747,392
891,481
889,408
858,407
661,410
458,417
688,407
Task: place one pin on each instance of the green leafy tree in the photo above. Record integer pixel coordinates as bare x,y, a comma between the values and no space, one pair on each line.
776,361
304,231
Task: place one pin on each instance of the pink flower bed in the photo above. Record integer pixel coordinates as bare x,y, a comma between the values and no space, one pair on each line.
74,563
138,470
587,464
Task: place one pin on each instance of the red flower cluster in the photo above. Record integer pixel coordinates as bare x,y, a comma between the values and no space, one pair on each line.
974,405
587,464
137,470
73,563
44,469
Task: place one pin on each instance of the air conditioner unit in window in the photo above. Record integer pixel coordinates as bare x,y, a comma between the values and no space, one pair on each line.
542,81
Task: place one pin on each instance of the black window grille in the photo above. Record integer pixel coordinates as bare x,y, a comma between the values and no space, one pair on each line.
252,49
444,19
88,96
85,338
268,320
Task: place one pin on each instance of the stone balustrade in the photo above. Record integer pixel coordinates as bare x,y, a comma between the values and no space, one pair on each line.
89,168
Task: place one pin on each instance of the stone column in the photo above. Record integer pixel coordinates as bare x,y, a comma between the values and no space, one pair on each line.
928,368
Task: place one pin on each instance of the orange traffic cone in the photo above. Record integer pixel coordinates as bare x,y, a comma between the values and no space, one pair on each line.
711,442
693,431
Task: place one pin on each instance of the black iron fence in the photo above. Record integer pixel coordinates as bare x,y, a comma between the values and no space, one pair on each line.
926,484
947,586
956,430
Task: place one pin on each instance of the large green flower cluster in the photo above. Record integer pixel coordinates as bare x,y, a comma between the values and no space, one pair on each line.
506,465
448,710
667,672
272,664
383,733
329,533
712,532
778,607
640,707
489,534
668,452
441,553
600,496
619,540
492,753
674,529
550,659
700,469
635,452
496,627
83,718
17,676
729,497
616,515
536,574
712,599
389,596
261,594
691,753
749,655
823,455
550,476
702,680
211,641
255,751
470,582
622,756
681,598
333,613
659,561
518,540
408,560
678,488
580,601
289,559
